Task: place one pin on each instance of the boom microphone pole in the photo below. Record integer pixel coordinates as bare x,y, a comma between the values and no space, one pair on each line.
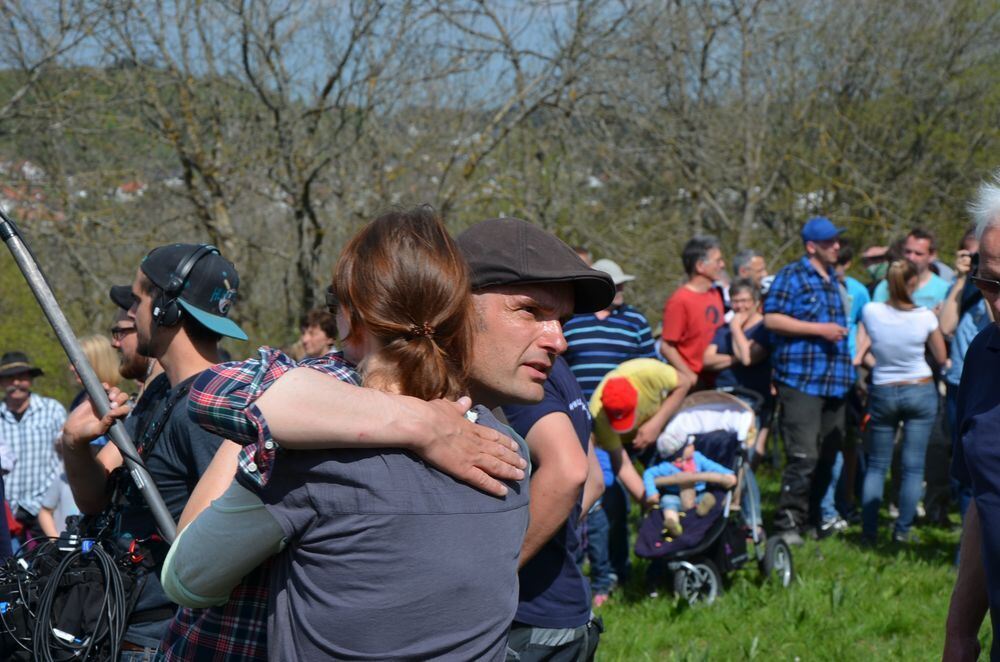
43,293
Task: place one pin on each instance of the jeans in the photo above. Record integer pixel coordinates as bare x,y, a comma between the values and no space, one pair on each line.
751,498
673,501
828,507
616,507
915,405
597,550
962,494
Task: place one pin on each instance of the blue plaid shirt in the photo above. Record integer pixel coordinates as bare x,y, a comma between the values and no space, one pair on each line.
809,363
33,441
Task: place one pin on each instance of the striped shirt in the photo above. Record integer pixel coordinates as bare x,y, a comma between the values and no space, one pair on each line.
33,441
598,346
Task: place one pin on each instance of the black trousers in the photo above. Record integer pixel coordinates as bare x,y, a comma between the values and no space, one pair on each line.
812,427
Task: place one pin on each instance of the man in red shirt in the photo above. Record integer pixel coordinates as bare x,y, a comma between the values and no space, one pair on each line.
695,310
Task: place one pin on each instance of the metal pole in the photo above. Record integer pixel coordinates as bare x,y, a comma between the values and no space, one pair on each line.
43,293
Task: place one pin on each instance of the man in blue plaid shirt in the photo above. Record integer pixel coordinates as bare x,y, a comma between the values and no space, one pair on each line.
805,308
30,425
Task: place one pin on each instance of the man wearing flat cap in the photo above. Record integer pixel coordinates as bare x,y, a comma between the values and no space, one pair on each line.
29,425
525,283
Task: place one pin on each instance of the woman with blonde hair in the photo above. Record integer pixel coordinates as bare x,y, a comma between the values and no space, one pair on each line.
897,333
102,358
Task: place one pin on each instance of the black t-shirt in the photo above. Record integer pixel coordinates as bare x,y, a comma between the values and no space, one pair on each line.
554,593
179,457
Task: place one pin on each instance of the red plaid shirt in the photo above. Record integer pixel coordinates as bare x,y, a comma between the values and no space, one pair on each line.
231,632
222,401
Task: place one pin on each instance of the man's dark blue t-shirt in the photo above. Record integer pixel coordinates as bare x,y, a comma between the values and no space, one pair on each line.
976,458
554,592
756,377
180,455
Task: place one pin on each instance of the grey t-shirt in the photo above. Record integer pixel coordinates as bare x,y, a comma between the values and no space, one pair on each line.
389,558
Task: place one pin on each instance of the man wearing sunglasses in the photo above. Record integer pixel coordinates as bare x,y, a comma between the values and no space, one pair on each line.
131,364
976,460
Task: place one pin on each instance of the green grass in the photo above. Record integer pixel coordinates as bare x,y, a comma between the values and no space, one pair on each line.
846,603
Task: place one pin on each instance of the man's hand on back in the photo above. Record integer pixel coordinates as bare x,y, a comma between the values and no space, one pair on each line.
473,454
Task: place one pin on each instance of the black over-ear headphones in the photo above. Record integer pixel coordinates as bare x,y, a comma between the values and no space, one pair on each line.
166,310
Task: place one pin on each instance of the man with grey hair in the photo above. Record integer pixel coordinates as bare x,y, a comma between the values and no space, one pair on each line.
976,460
695,310
749,263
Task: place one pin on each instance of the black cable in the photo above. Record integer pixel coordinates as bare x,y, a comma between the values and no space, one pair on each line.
111,623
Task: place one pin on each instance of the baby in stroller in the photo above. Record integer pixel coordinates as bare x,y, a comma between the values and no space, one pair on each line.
728,534
685,476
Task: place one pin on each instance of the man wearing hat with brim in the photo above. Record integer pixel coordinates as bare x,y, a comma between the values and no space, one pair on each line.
805,311
180,302
29,427
598,343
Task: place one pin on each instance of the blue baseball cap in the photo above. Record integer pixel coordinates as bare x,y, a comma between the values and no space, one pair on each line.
820,228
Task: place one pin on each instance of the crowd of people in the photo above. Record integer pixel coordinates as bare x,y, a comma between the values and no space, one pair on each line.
429,471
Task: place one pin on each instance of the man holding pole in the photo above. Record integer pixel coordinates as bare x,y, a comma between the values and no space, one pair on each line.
182,297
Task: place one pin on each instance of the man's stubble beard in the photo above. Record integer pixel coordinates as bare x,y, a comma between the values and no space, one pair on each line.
135,367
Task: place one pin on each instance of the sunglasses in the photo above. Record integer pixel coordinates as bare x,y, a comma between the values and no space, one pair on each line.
119,332
986,285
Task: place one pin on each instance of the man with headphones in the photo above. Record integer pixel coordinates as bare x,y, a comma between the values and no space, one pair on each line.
182,297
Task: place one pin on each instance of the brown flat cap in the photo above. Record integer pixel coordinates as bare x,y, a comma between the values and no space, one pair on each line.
508,251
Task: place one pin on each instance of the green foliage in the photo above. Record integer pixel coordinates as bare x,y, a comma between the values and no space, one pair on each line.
25,328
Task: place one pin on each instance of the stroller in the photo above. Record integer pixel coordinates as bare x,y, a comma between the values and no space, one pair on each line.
724,539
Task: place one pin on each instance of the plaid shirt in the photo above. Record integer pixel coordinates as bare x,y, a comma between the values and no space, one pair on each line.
32,440
231,632
222,401
809,363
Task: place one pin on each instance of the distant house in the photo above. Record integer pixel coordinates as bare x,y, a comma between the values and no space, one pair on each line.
130,191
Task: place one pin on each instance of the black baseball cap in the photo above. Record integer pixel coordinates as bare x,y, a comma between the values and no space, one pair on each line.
507,251
209,290
122,296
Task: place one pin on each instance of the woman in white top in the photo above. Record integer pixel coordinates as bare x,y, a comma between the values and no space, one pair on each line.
897,333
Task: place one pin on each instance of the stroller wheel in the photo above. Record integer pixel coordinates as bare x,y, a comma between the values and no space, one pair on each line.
698,582
777,563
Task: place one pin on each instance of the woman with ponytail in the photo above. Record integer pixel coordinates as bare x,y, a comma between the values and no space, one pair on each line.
377,555
897,333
